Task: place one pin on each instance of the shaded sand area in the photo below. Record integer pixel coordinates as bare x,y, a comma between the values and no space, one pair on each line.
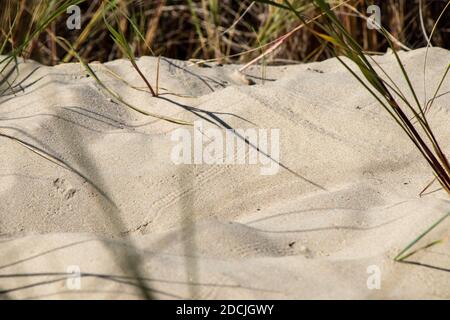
115,206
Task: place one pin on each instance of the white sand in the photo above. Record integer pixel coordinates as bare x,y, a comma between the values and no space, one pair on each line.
215,231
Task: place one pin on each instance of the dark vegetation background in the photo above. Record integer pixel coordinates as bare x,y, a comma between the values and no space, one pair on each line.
208,29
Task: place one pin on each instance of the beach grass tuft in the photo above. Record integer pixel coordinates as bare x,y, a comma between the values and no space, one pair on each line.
409,114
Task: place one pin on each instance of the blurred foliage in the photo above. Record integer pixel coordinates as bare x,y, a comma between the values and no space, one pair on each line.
208,29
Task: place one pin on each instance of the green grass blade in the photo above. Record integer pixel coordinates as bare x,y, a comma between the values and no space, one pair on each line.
402,256
64,43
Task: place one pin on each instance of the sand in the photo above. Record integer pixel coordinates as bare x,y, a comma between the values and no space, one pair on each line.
333,217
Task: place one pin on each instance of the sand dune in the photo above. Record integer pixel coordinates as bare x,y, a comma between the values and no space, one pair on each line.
344,200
